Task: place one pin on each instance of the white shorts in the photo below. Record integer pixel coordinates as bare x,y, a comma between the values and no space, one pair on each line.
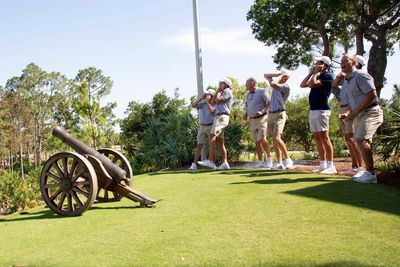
319,120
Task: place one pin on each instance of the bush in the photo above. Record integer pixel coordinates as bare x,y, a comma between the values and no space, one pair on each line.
17,194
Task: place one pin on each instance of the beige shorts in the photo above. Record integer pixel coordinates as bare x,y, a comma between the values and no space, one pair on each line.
346,126
220,122
258,128
367,122
276,122
319,120
203,134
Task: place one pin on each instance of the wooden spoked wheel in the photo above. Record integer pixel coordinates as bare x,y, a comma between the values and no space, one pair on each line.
68,184
120,160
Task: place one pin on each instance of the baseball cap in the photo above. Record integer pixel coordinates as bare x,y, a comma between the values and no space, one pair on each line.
324,59
210,92
360,60
227,81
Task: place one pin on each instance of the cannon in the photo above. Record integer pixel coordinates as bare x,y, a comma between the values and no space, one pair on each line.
70,182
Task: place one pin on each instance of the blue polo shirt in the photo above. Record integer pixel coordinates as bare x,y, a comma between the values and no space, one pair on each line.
319,96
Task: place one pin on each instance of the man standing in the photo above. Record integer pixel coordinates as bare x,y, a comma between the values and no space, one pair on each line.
365,111
221,105
277,116
257,104
346,126
320,81
206,118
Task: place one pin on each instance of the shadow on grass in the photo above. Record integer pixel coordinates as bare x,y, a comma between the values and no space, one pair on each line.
181,171
38,215
371,196
48,214
344,191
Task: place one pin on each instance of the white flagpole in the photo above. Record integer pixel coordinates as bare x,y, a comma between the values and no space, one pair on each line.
199,66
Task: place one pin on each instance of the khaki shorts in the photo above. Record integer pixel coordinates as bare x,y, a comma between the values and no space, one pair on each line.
220,122
367,122
258,128
203,134
276,123
319,120
346,126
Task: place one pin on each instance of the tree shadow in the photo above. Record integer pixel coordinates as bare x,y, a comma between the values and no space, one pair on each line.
27,216
341,190
370,196
49,214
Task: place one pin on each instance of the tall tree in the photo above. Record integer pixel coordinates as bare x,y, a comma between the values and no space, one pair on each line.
90,86
300,29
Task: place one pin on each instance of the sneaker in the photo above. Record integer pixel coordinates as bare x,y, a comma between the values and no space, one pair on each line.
224,166
318,170
278,167
207,163
350,170
268,163
288,163
360,171
329,170
366,177
193,167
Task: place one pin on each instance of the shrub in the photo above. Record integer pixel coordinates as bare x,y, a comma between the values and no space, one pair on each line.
17,194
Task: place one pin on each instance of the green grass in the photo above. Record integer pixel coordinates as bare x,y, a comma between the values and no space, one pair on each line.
235,218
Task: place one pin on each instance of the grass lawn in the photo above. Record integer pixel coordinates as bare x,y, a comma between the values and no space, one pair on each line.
239,217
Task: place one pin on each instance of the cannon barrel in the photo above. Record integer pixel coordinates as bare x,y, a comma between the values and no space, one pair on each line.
114,170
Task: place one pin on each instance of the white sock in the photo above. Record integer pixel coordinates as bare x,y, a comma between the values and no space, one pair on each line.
323,164
329,164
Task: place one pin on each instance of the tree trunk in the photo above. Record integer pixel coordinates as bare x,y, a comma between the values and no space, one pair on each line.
378,60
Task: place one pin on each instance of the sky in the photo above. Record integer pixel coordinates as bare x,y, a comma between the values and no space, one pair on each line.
144,46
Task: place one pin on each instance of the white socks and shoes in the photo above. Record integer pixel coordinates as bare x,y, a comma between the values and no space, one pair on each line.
224,166
365,177
207,163
268,163
288,163
193,167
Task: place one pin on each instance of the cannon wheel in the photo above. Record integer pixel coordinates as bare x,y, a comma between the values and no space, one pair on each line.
117,158
68,184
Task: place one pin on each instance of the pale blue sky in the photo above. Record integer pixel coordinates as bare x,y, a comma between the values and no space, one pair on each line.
144,46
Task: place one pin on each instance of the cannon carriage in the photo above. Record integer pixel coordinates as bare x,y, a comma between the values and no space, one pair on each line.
71,181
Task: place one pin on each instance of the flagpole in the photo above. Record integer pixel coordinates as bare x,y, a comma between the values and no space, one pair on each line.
199,66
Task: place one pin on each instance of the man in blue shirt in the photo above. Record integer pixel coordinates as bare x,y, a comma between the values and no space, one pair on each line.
206,118
257,104
320,81
221,106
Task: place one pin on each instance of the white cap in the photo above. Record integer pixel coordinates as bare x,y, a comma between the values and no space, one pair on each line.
227,81
210,92
324,59
360,60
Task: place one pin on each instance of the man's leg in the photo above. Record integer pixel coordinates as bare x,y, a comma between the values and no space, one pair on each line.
320,147
259,150
222,150
366,152
266,147
355,154
198,152
213,140
326,142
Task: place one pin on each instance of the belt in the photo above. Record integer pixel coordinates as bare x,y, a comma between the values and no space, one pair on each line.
206,124
371,106
223,113
276,111
343,106
256,117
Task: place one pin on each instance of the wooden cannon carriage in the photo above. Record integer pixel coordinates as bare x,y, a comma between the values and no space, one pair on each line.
70,182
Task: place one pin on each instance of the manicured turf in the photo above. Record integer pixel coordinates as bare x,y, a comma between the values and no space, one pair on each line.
239,217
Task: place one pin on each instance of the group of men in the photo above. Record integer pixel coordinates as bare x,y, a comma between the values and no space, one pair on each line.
266,116
360,116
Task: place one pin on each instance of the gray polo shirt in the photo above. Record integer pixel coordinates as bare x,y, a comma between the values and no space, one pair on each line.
256,101
205,116
226,106
279,98
359,84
